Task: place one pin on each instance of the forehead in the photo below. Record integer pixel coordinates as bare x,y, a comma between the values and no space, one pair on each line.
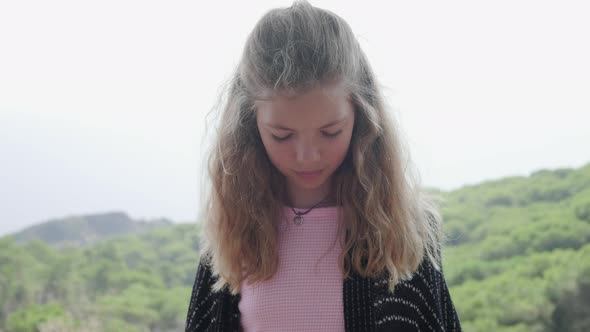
319,105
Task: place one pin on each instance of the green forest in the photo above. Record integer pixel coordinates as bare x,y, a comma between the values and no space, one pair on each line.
516,258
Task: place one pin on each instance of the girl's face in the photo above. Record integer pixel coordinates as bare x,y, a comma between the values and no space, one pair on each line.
307,137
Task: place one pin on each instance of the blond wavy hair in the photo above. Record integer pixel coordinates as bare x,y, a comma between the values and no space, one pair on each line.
391,225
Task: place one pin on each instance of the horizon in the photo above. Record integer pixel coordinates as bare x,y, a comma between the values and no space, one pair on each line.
159,218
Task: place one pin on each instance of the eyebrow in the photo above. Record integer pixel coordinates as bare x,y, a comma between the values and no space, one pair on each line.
323,127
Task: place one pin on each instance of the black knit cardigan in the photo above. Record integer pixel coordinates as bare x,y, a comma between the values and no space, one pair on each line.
422,303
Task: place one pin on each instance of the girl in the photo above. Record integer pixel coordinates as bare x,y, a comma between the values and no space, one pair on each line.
313,222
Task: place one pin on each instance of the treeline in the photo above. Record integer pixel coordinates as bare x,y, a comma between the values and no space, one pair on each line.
517,259
135,283
520,254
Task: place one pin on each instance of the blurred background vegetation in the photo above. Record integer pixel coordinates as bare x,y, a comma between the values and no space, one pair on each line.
516,259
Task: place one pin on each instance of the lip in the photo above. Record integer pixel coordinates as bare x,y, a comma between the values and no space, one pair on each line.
309,176
309,172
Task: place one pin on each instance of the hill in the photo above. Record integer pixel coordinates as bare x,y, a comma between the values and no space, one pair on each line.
86,229
519,252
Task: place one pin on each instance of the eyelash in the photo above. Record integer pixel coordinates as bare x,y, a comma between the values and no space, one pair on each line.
327,135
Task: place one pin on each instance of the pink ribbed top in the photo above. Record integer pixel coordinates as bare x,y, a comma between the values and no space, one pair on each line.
301,296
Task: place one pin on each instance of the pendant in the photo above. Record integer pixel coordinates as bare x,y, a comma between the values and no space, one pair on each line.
298,220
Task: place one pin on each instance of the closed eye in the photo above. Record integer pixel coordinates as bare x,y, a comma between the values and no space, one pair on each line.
280,139
326,134
331,135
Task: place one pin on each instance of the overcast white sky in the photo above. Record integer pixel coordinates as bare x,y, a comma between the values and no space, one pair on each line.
102,103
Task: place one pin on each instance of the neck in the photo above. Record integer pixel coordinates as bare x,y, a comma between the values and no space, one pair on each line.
302,198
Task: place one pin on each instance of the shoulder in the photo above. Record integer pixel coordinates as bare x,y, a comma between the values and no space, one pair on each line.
207,309
420,303
202,301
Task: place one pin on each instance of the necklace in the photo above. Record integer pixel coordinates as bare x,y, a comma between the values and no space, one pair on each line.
298,218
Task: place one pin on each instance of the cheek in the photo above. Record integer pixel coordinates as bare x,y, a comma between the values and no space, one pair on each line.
337,152
278,154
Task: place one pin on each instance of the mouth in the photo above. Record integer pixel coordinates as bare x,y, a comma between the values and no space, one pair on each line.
309,175
308,172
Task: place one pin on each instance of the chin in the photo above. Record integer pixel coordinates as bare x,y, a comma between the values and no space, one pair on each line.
309,184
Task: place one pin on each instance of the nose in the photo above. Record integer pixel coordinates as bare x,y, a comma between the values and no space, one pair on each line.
307,151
